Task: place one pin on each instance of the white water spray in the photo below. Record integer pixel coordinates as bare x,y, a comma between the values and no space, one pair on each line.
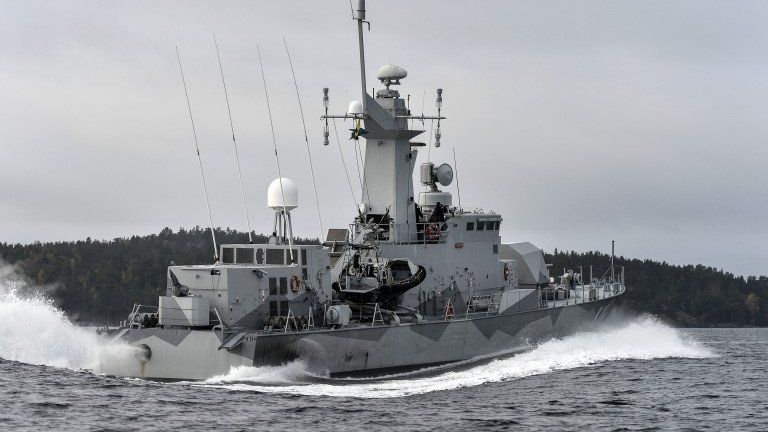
35,331
267,375
643,338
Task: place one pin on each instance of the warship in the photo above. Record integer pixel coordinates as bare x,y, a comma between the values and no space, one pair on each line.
409,283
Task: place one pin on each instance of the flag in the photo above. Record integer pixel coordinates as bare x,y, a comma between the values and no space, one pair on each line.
358,131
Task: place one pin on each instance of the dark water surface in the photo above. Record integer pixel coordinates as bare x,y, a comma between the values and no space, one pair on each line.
637,374
641,376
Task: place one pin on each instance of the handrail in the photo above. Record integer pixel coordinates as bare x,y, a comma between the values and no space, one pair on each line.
426,232
603,288
621,273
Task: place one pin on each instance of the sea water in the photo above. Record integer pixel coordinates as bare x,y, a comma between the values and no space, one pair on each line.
638,374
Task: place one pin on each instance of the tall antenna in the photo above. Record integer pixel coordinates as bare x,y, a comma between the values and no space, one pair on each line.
274,143
423,98
456,169
359,16
355,147
364,180
306,140
439,104
613,244
429,146
199,159
234,141
344,163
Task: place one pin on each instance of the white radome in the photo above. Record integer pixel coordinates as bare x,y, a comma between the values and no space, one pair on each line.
391,72
275,195
428,200
355,108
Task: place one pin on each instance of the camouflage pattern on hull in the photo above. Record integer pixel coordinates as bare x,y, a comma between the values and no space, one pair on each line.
199,354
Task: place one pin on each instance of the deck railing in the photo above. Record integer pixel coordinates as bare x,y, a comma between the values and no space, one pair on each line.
425,232
596,289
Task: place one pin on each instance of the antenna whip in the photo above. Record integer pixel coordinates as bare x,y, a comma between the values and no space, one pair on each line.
429,147
355,149
234,141
346,172
199,159
364,181
306,140
456,170
274,143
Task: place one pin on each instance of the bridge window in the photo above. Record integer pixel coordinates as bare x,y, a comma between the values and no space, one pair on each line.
470,226
495,249
284,307
480,225
283,285
228,255
295,256
273,311
272,286
244,256
304,257
275,256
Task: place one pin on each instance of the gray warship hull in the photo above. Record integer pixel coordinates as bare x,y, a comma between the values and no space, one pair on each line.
415,280
200,354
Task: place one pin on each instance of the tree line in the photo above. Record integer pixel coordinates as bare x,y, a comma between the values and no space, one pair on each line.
686,295
99,281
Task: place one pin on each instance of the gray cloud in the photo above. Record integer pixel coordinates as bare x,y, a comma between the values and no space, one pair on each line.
580,122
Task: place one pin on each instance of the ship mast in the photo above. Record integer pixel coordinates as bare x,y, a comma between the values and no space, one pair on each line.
359,16
383,121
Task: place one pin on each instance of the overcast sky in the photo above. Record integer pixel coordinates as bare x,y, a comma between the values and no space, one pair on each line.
580,122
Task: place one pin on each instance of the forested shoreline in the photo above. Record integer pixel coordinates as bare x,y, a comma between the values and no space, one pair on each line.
98,281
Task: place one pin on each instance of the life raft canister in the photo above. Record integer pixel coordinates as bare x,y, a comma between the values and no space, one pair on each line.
295,283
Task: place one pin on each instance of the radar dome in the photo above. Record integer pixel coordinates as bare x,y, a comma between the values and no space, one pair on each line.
391,74
355,108
289,191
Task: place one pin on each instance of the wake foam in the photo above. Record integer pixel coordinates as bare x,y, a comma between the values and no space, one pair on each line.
33,330
643,338
290,373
